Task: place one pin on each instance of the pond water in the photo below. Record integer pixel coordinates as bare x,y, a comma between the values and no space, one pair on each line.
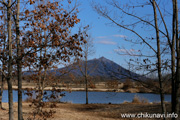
113,97
79,97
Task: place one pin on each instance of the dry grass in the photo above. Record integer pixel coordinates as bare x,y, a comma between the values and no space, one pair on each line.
85,112
138,99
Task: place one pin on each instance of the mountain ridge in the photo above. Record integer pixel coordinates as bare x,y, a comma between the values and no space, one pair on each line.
101,67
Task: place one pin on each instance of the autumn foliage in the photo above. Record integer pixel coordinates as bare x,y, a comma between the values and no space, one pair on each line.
46,39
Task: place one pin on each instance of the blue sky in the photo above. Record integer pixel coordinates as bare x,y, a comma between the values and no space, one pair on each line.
106,37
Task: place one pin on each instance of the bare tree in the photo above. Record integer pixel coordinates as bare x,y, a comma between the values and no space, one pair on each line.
88,50
159,57
19,64
3,54
9,78
177,37
7,5
173,70
163,41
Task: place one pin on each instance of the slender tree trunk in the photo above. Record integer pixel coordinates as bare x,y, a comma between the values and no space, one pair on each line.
45,68
39,95
1,91
19,69
40,85
86,80
177,83
173,95
44,76
159,59
9,78
3,63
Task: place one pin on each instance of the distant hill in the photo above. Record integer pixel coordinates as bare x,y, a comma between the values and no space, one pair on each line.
101,67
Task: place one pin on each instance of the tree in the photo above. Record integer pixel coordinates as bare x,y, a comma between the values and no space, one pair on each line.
153,2
19,64
82,63
56,42
173,69
49,40
165,46
3,56
8,46
9,78
176,87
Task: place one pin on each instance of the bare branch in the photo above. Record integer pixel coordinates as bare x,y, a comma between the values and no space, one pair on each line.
3,2
105,15
164,25
115,5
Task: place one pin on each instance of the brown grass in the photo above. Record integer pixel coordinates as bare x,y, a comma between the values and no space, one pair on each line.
85,112
138,99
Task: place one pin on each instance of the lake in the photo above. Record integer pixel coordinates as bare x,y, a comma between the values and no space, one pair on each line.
78,97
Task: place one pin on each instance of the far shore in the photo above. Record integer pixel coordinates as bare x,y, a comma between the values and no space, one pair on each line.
131,90
66,89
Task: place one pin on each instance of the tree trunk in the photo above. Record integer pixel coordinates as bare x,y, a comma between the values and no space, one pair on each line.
19,69
40,85
86,80
9,77
1,91
173,98
177,83
159,59
40,92
3,63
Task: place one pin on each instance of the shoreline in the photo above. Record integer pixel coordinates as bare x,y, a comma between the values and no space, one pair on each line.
65,89
82,89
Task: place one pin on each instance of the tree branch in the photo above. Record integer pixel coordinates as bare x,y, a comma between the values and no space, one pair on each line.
115,5
108,17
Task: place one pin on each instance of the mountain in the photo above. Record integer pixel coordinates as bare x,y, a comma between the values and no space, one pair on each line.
101,67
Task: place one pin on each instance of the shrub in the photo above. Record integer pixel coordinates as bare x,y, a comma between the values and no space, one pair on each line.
138,99
29,99
91,85
127,84
113,84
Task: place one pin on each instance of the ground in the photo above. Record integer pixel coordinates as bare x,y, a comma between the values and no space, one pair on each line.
68,111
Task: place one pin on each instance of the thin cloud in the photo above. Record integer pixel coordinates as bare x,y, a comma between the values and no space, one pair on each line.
126,50
120,36
131,52
101,37
110,52
107,42
117,36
